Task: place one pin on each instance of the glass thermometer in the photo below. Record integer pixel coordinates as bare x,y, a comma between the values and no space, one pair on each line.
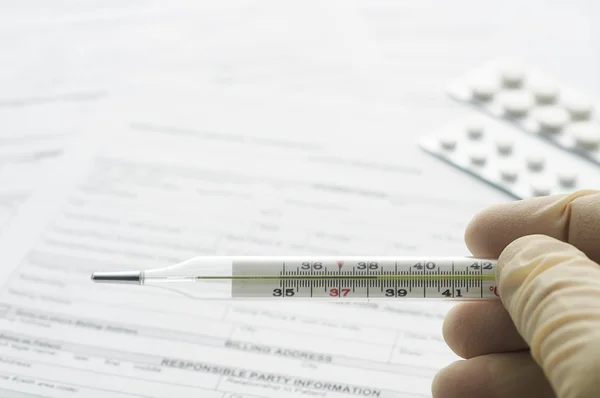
320,277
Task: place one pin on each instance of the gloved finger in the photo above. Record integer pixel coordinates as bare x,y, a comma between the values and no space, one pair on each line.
473,329
573,218
487,235
552,292
507,375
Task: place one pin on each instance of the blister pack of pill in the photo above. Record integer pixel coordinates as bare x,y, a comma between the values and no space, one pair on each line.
534,102
509,160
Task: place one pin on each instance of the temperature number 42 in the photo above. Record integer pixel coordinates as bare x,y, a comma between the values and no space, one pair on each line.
480,265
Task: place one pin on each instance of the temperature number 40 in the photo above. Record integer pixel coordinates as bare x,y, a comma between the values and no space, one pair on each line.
427,265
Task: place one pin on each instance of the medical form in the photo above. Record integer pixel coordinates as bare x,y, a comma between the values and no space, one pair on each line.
111,207
262,136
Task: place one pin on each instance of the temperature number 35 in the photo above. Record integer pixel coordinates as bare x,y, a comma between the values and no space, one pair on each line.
283,292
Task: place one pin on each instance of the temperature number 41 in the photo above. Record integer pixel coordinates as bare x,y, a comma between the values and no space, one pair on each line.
448,293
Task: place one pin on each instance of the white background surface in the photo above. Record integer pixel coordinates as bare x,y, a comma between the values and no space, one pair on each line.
196,84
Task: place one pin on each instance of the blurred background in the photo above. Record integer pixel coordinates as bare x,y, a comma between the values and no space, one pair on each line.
347,71
245,127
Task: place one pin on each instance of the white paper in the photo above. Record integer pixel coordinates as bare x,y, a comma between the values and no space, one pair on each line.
243,128
135,197
32,139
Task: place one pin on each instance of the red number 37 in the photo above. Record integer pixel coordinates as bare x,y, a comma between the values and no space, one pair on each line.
335,292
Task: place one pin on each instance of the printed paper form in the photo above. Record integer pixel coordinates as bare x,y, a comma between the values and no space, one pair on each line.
31,140
33,136
339,207
336,200
152,198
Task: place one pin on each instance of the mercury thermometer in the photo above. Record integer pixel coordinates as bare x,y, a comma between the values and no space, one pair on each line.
325,277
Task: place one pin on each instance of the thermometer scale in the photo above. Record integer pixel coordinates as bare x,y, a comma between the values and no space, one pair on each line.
324,277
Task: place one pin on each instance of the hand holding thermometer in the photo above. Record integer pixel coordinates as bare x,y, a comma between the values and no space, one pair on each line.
323,277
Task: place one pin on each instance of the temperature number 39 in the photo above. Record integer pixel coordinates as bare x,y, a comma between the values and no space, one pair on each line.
396,293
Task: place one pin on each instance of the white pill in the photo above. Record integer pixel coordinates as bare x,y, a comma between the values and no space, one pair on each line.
478,159
504,146
545,94
552,119
475,131
578,108
518,103
484,90
509,174
448,143
586,136
567,179
512,76
540,189
535,162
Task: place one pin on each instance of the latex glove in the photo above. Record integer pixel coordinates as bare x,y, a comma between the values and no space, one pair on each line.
542,338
